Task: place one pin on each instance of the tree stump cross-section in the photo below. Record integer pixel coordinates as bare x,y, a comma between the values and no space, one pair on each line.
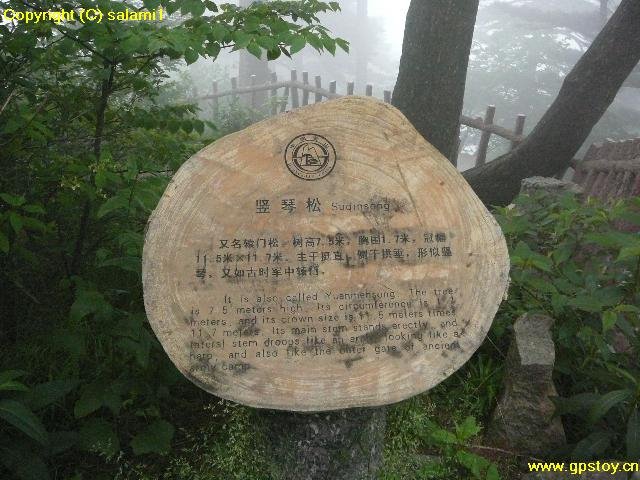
323,259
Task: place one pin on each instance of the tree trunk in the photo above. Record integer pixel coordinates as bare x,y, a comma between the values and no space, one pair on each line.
336,445
585,95
433,69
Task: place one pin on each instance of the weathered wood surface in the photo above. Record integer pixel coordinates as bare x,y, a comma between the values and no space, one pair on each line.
354,331
483,146
610,170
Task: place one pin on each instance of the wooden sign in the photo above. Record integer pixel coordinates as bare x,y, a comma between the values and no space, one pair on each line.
323,259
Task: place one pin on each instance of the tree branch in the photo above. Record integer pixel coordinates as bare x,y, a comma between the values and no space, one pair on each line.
106,88
6,102
586,94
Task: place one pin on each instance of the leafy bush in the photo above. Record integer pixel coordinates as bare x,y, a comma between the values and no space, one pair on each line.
412,431
454,445
18,411
571,261
226,448
86,149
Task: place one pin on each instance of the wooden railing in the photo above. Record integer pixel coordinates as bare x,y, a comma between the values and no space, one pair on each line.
297,93
610,170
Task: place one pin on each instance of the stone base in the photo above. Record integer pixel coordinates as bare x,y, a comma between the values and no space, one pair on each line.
552,186
337,445
523,420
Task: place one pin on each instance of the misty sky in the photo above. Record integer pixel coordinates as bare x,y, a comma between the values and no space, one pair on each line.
517,63
393,19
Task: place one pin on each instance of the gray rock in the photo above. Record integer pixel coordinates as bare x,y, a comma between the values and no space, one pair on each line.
523,419
553,186
338,445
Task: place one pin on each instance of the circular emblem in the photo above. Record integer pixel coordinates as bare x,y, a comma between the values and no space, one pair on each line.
310,156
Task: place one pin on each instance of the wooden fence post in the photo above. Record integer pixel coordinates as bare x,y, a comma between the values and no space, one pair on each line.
295,101
234,87
252,82
285,100
274,94
486,125
305,93
520,119
483,146
214,100
319,85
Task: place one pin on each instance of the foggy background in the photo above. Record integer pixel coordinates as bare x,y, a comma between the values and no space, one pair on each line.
522,50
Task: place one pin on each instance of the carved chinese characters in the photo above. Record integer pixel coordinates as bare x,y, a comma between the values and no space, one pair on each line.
323,259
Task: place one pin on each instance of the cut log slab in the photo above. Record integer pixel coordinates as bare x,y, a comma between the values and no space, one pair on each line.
323,259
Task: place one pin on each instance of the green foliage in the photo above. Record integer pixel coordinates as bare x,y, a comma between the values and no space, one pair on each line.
234,116
404,443
98,436
412,429
474,388
18,415
572,262
18,220
455,447
225,447
155,438
87,148
25,455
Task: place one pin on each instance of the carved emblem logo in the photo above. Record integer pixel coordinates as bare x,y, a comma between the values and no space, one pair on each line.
310,156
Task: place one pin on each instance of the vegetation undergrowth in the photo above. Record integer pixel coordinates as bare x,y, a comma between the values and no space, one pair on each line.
90,134
579,263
